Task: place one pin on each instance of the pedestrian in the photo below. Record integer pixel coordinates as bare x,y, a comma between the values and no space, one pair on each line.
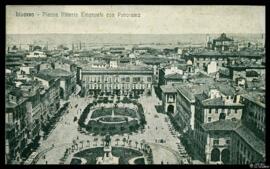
52,145
161,162
46,162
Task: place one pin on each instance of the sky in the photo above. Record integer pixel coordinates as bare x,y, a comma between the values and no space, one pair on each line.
153,19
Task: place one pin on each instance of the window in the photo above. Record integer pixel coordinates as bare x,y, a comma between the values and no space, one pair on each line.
149,79
127,79
216,142
136,79
209,111
228,141
209,119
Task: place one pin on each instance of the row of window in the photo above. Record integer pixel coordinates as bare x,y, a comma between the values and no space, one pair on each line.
118,86
115,79
205,58
216,141
204,64
217,111
244,151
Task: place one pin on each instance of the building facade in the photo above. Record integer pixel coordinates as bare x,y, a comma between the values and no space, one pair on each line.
117,81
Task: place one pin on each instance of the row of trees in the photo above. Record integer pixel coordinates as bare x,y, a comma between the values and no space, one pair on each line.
84,114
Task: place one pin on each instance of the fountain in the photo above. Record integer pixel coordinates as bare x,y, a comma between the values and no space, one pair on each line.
108,158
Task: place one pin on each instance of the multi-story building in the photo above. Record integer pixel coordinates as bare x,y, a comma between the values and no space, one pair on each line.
15,125
169,99
222,43
185,104
254,116
50,94
30,90
209,110
67,81
220,135
120,81
202,59
248,72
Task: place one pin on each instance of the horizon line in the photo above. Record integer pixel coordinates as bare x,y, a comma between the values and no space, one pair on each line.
132,33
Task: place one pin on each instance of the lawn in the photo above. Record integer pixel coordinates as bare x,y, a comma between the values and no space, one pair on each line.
117,111
124,154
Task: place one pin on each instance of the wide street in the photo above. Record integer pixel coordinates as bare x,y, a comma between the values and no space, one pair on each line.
157,128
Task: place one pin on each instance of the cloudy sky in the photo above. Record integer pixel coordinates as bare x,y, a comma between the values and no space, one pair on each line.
152,20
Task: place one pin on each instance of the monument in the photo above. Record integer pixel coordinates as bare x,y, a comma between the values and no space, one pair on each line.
108,158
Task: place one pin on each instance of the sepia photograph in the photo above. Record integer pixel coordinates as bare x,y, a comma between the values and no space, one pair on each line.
135,85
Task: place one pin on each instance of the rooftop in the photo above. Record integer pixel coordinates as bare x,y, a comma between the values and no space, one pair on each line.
168,89
190,91
256,143
225,88
55,72
126,69
241,130
256,97
222,125
175,76
45,77
227,53
213,102
223,37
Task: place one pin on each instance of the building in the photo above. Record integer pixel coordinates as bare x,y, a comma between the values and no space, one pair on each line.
254,109
140,50
120,81
222,43
36,54
249,72
16,122
31,91
185,104
201,59
210,108
169,99
49,94
220,135
67,81
175,74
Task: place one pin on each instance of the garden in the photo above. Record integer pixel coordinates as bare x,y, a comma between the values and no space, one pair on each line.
124,154
124,120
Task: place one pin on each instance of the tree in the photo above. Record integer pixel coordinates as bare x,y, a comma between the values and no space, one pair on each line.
129,142
88,143
81,143
136,142
96,140
124,140
103,141
117,140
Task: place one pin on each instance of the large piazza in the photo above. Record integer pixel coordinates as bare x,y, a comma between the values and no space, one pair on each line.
143,104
